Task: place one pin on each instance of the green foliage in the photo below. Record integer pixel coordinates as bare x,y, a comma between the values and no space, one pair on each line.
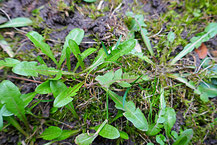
122,49
27,98
57,134
43,88
10,96
170,119
73,47
124,135
4,112
123,79
136,116
38,41
9,62
89,1
76,35
209,32
65,96
86,139
109,131
161,139
17,22
171,36
66,134
207,90
32,69
165,117
51,132
83,55
132,113
6,47
137,24
184,138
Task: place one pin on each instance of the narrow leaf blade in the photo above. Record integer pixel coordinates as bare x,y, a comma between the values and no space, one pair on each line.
17,22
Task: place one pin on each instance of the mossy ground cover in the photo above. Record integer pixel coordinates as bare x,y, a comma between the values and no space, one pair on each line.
105,21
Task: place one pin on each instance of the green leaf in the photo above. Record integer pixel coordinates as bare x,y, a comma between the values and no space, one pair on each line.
14,123
107,79
7,90
66,134
9,62
76,35
38,41
147,40
142,57
68,57
65,96
137,118
26,68
58,75
185,81
6,47
27,98
2,19
132,113
174,134
210,31
1,122
44,70
111,77
5,112
161,139
136,21
73,47
208,89
137,24
170,119
123,49
124,84
10,95
104,48
89,1
31,69
124,135
57,87
118,42
153,129
162,105
17,22
85,139
85,54
184,138
44,88
100,59
51,133
171,37
109,131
